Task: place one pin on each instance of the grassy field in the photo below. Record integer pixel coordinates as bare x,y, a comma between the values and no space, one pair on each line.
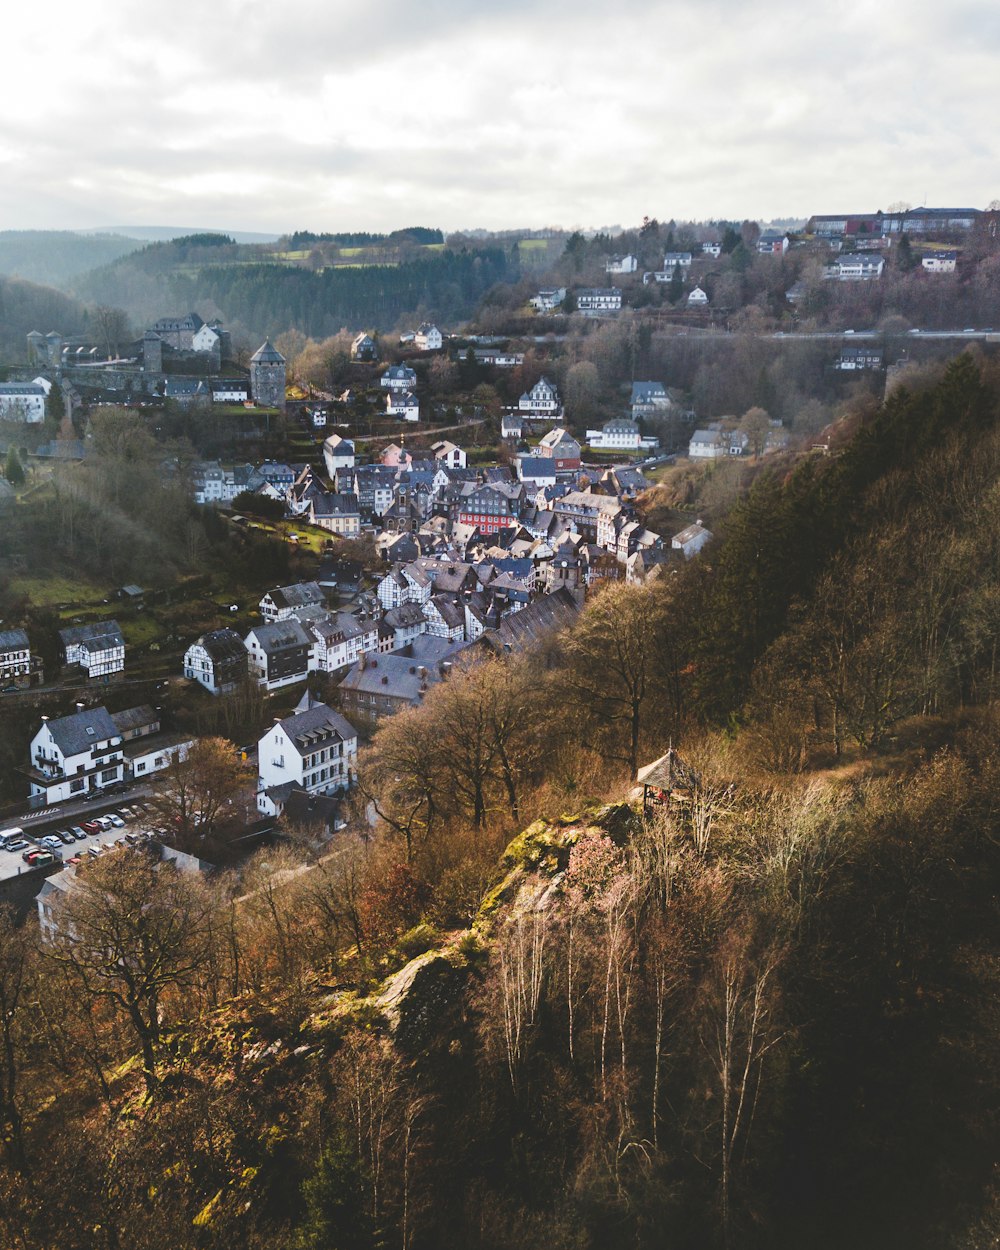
51,590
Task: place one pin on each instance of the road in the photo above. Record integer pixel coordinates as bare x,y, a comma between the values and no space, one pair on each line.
37,824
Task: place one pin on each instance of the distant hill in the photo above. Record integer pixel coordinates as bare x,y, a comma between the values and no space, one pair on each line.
262,291
26,306
54,257
162,234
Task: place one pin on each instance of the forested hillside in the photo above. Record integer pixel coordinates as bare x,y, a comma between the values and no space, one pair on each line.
25,306
55,257
254,293
521,1011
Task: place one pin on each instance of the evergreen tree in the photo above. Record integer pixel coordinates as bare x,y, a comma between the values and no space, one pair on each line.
676,289
14,470
337,1215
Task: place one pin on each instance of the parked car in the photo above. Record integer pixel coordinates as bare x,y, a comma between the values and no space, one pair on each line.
17,845
65,837
78,833
94,851
116,820
92,826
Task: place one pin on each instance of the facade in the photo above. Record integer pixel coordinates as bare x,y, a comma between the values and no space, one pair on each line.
338,453
862,357
855,267
541,401
364,348
98,648
339,639
313,750
267,377
592,301
697,298
561,447
399,378
548,300
428,338
772,243
621,264
22,401
217,661
449,454
15,658
281,603
337,513
75,755
403,405
279,653
691,539
618,434
939,262
672,259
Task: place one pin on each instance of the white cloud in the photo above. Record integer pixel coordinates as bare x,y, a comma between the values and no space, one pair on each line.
254,116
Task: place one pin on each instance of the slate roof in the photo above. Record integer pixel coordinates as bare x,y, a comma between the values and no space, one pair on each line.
395,675
223,644
279,635
267,354
96,636
300,595
13,640
307,730
79,732
520,629
134,718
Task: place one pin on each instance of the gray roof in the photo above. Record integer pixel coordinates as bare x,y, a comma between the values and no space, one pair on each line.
223,644
267,355
79,732
278,635
545,615
300,595
307,730
13,640
395,675
104,633
134,718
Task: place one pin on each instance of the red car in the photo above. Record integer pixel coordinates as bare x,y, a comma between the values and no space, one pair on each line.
92,826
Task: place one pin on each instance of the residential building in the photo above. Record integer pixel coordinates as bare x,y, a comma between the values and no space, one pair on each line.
691,539
548,300
541,401
697,298
712,249
339,638
364,348
772,242
279,604
73,756
855,267
449,454
560,446
490,507
618,434
648,399
860,357
593,301
22,401
383,685
511,426
428,338
374,485
403,405
15,658
337,513
280,653
314,750
939,262
338,453
217,661
499,359
621,264
674,259
399,378
99,648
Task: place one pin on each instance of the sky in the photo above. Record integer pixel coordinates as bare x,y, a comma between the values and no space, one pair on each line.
305,114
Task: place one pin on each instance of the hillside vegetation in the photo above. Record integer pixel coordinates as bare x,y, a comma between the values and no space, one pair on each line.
522,1012
55,257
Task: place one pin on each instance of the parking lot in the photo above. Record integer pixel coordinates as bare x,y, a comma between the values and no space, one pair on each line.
82,838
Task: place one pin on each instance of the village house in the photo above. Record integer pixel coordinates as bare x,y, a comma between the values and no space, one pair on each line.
772,242
498,358
364,348
22,401
593,301
15,658
338,453
711,249
648,399
75,755
337,513
217,661
98,648
860,357
338,639
374,485
399,378
314,750
672,260
538,470
697,298
560,446
449,454
511,427
541,401
279,604
428,338
691,539
146,748
620,434
383,685
402,405
714,443
854,267
548,300
280,653
939,262
621,264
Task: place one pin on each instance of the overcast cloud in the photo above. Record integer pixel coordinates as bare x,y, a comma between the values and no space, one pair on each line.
263,116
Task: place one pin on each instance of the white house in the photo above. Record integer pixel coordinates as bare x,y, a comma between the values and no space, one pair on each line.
75,755
22,401
673,259
217,661
337,512
711,249
548,300
449,454
592,301
364,347
280,653
939,262
621,264
99,648
403,405
15,657
399,378
314,750
279,604
713,444
510,425
338,453
206,339
618,434
229,390
541,401
772,242
339,639
855,267
428,338
691,539
697,297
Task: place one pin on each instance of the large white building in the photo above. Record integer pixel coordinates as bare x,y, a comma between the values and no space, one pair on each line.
313,750
217,661
22,401
75,755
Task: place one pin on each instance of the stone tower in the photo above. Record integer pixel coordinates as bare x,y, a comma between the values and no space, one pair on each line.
37,351
152,352
267,377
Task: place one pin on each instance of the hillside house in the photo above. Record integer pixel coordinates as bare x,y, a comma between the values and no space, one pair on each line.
22,401
76,755
855,267
939,262
98,648
399,378
691,539
595,301
428,338
772,243
279,604
560,446
364,348
338,453
402,405
548,300
314,750
541,401
449,454
621,264
280,653
15,658
697,298
217,661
